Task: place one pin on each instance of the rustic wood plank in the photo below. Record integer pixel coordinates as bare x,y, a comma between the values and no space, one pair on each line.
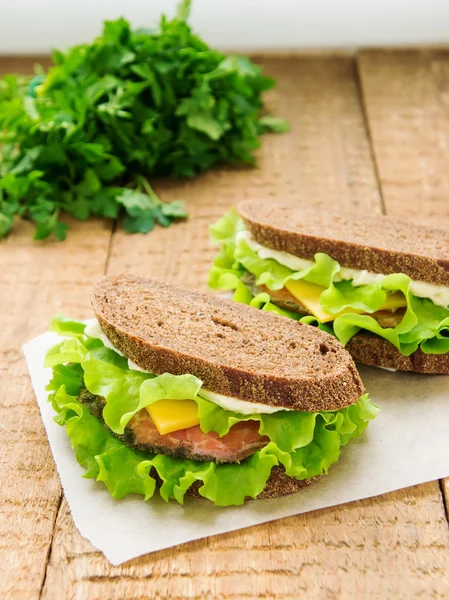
392,546
35,280
385,547
445,491
406,95
23,64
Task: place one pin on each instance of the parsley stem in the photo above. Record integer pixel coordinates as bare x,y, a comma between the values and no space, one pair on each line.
143,182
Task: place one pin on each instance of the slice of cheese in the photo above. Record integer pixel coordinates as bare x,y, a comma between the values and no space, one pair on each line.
309,294
172,415
394,301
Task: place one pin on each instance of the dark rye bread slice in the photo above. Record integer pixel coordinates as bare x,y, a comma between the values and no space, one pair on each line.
375,243
372,350
235,350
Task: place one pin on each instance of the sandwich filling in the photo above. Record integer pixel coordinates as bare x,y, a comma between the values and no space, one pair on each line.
338,299
137,431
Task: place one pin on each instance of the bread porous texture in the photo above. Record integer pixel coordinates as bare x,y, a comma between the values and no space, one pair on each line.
235,350
372,350
376,243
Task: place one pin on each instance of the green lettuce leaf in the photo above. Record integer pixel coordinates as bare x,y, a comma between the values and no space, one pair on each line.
274,275
424,325
226,271
290,430
124,470
306,444
126,391
64,326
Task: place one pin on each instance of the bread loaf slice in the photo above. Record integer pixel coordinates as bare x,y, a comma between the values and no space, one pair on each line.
235,350
375,243
369,349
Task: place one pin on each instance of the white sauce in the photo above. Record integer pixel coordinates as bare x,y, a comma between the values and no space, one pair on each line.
94,330
239,406
134,367
439,294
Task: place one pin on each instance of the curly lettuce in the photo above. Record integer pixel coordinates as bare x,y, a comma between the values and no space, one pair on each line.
424,324
305,444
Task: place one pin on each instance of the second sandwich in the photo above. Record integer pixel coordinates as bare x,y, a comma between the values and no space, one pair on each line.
380,286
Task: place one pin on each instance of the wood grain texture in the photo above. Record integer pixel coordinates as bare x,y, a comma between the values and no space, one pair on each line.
444,483
406,95
22,64
385,547
30,488
395,546
36,280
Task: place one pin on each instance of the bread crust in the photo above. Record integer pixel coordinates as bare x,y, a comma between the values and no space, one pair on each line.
235,350
375,351
376,243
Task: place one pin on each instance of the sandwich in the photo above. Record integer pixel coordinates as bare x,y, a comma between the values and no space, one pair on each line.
380,286
192,395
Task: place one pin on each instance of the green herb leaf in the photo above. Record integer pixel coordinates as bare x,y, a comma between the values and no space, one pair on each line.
135,202
206,123
274,124
183,11
131,105
144,210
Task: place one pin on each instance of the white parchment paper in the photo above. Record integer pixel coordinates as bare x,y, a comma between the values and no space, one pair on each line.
407,444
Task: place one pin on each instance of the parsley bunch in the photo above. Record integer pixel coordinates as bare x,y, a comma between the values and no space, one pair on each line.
85,137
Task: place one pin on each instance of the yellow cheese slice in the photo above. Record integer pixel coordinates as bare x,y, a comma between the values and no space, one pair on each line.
309,294
172,415
394,301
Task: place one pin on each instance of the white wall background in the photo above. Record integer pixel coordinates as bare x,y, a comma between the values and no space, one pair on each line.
35,26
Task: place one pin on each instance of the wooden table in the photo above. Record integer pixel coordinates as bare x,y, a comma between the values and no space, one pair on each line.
369,133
